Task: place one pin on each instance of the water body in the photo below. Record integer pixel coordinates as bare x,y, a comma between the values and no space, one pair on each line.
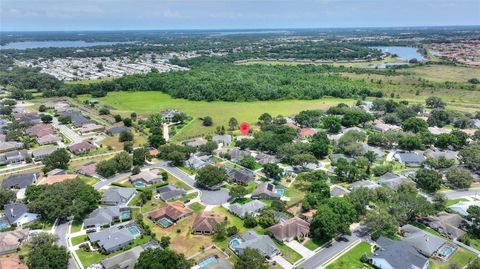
56,44
404,53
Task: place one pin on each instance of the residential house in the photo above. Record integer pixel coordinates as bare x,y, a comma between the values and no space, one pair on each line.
237,154
450,225
146,177
153,152
20,181
81,147
338,191
170,192
52,179
381,126
17,214
225,140
10,241
9,146
364,184
31,117
88,169
49,139
447,154
117,196
41,153
290,229
117,130
242,177
410,158
263,243
462,207
91,128
251,208
437,131
169,114
393,181
336,157
196,142
174,211
424,242
308,216
205,223
377,151
11,262
265,190
197,162
14,157
127,259
393,254
307,132
112,239
263,158
40,130
78,119
105,216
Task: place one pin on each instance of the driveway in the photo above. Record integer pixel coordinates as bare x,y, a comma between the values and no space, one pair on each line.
109,181
214,197
174,171
332,250
461,193
69,133
61,231
282,262
301,249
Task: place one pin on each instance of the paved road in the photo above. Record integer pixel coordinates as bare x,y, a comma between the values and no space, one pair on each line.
174,171
332,250
460,193
74,137
61,230
109,181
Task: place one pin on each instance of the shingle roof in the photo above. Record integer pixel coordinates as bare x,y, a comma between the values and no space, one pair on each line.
246,209
393,181
423,242
20,181
262,243
174,211
117,195
109,239
10,241
267,189
170,192
399,254
102,216
205,222
291,228
14,211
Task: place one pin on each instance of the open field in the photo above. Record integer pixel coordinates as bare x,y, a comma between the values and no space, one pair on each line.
440,73
150,102
348,64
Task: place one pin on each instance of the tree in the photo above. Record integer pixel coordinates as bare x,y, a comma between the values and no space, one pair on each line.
133,116
156,140
470,156
331,124
324,224
278,205
220,230
232,124
410,142
209,147
459,178
104,111
117,118
320,145
250,221
127,122
6,196
445,141
248,162
59,159
428,180
232,230
154,120
207,121
139,156
211,176
345,212
303,158
251,259
128,146
381,223
237,192
439,201
265,119
272,170
123,162
65,120
177,158
125,136
434,102
267,217
46,118
106,168
317,175
165,241
158,258
308,118
44,253
414,125
42,108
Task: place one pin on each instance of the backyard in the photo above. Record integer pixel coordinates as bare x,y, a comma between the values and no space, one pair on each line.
351,258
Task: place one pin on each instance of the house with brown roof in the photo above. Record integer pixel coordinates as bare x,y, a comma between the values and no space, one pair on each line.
146,177
290,229
40,130
174,211
11,262
81,147
88,169
308,216
91,128
307,132
205,223
49,180
10,241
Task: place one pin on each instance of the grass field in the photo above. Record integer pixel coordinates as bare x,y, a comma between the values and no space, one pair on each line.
351,259
145,103
348,64
454,201
440,73
461,257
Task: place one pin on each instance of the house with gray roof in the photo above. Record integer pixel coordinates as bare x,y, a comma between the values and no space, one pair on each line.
170,192
237,154
364,184
251,208
265,190
462,207
117,196
225,139
20,181
424,242
197,162
127,259
14,157
263,158
393,181
393,254
450,225
263,243
338,191
146,177
17,214
196,142
117,130
41,153
105,216
242,177
410,158
112,239
447,154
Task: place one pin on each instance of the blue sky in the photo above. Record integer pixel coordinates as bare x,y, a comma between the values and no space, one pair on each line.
26,15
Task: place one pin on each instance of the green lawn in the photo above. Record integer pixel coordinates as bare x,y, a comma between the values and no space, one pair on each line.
134,200
314,244
79,239
351,259
289,254
89,180
196,207
454,201
189,197
76,226
461,257
149,102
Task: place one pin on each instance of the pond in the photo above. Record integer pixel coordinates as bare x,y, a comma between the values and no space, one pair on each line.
56,44
404,53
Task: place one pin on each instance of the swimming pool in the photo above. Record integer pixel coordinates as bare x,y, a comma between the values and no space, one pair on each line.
281,191
126,215
165,222
446,251
139,185
134,230
234,243
207,261
3,225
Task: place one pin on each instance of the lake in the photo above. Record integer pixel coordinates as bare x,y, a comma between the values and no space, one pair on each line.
56,44
404,53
